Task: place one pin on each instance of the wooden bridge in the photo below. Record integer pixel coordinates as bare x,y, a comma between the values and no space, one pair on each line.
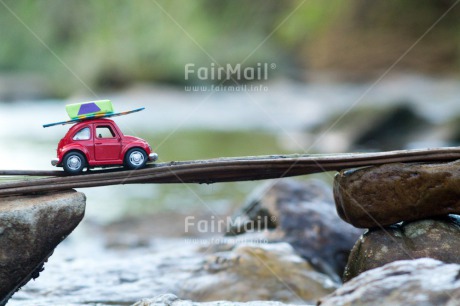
217,170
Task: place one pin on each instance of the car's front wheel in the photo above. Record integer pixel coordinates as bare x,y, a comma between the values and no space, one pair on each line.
74,163
135,158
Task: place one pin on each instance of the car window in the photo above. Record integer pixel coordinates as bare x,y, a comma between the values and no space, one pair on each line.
83,134
104,131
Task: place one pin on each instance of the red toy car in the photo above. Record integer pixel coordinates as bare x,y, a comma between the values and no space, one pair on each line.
100,143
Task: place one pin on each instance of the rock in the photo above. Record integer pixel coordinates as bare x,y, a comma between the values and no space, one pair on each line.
392,129
302,214
384,195
417,282
257,272
172,300
438,239
371,128
30,228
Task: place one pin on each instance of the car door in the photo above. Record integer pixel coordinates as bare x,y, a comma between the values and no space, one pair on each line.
107,143
83,138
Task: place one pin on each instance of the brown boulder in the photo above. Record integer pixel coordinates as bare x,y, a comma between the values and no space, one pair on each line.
384,195
438,239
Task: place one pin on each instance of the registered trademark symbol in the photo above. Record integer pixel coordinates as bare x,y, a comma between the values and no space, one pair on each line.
273,218
273,66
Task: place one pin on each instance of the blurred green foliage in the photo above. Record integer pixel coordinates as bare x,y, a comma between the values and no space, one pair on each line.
110,43
113,43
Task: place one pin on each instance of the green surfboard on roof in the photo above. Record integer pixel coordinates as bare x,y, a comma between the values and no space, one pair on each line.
89,109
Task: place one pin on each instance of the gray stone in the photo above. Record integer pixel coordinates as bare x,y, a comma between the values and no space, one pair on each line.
302,214
172,300
438,239
372,128
31,227
391,193
392,128
420,282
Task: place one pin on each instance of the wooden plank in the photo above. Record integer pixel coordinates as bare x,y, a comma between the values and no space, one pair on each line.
228,169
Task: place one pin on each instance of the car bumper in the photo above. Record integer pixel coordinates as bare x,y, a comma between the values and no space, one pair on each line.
55,161
153,156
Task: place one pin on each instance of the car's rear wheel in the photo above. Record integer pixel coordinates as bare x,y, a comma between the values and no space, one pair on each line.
135,158
74,163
